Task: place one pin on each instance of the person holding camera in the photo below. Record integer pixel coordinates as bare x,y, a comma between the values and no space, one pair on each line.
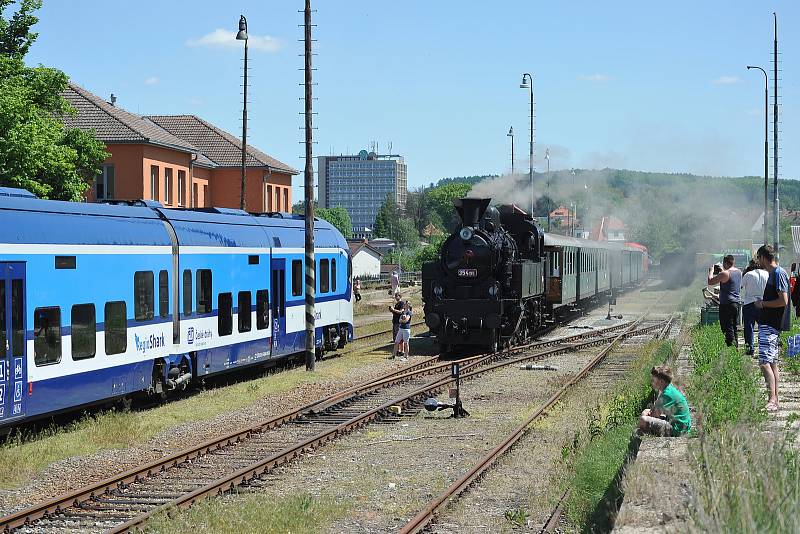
729,279
754,281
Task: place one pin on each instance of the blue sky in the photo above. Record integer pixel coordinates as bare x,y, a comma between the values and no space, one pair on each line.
637,85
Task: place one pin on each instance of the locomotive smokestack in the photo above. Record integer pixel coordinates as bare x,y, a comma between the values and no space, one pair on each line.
471,210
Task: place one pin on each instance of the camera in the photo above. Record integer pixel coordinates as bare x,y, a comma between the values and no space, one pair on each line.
717,268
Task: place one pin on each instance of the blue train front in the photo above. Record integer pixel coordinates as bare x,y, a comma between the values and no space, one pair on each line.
99,302
487,288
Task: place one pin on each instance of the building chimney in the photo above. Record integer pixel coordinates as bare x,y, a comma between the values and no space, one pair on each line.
113,99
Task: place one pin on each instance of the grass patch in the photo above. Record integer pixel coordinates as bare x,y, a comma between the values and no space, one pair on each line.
725,385
748,480
600,448
23,456
298,514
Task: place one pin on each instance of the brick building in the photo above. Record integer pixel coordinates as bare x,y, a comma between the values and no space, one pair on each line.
178,160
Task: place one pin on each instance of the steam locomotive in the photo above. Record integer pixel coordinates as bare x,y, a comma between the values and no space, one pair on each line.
499,278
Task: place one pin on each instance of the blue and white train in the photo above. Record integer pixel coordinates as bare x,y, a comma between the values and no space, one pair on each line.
102,301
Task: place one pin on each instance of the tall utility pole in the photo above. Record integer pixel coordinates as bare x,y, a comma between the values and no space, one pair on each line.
525,85
775,205
547,157
309,202
242,36
766,149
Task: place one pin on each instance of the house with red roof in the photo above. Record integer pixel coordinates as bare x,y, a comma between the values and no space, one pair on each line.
178,160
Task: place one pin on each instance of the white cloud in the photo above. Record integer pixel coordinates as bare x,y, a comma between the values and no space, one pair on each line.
726,80
221,38
594,77
152,80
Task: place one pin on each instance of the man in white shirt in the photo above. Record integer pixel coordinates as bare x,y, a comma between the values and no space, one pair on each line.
753,283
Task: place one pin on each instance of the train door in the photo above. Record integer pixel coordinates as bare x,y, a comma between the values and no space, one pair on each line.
279,334
12,340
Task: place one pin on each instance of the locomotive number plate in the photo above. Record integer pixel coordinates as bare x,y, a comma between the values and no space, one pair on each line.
468,273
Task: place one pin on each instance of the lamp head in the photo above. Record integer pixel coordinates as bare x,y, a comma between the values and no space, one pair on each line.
242,35
510,132
525,84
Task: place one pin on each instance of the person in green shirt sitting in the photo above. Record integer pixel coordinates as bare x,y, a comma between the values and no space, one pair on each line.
670,414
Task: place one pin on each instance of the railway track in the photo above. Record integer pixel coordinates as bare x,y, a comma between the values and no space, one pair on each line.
424,518
127,500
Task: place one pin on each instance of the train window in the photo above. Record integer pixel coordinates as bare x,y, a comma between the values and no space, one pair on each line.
297,278
187,293
17,319
204,291
2,320
143,295
163,293
324,276
225,316
47,335
262,309
245,320
116,327
84,330
333,275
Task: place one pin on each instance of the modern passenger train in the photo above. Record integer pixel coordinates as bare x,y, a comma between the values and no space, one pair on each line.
102,301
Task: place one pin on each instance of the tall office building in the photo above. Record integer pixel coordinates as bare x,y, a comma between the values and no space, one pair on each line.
360,184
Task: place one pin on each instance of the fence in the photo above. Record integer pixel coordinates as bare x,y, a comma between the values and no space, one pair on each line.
407,278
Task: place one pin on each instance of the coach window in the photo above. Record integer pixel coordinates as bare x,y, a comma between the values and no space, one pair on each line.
297,278
245,321
163,293
225,317
84,330
333,275
116,327
262,309
324,276
47,335
143,295
187,292
204,291
2,320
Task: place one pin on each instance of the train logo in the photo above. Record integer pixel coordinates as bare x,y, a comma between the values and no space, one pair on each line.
190,335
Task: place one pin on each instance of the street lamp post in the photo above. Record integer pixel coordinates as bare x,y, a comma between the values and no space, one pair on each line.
511,135
242,36
766,145
529,85
547,157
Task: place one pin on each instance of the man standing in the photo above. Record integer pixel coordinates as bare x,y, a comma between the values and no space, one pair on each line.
730,281
395,281
396,310
773,308
754,282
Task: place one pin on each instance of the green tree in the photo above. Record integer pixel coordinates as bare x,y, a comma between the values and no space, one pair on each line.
339,217
441,199
387,218
37,152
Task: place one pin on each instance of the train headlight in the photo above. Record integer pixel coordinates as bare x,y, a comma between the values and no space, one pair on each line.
466,233
493,290
438,291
